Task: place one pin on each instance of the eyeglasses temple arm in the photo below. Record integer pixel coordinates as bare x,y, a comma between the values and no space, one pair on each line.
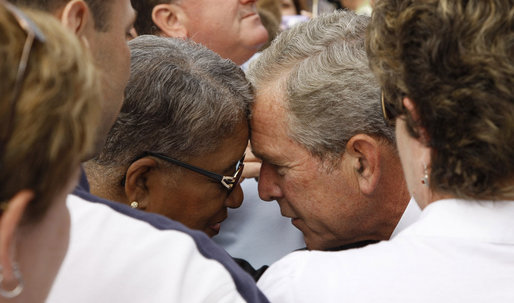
190,167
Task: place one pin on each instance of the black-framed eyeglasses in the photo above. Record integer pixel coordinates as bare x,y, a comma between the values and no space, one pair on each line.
33,33
229,182
388,112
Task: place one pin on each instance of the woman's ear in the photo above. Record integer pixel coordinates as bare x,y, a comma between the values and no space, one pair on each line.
9,223
136,181
413,112
170,20
365,153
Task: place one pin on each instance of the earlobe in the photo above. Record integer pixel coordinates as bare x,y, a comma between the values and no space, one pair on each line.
76,16
170,20
9,223
136,181
365,153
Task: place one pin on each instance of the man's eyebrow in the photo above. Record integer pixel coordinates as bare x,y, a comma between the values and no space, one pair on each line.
263,157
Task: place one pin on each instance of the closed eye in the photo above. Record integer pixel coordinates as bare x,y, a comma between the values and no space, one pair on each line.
281,170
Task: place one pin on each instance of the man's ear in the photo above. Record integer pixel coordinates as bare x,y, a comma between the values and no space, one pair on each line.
136,182
170,20
76,16
9,222
365,153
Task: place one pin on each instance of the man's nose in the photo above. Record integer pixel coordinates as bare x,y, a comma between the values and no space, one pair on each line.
268,188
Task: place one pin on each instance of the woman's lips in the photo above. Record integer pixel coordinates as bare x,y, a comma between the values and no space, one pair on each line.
215,228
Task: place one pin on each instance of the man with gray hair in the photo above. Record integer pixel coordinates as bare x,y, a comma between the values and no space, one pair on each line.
328,157
231,28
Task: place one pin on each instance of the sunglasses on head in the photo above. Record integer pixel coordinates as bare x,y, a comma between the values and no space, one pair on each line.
388,112
33,33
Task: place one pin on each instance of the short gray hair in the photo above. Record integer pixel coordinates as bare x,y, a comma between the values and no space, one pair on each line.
329,90
182,99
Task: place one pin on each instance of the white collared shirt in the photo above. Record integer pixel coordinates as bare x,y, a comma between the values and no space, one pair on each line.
410,215
458,251
113,257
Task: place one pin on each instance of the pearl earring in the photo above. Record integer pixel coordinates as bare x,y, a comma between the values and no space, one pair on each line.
425,176
134,204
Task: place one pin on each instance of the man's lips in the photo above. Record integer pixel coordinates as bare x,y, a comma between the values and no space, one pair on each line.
249,14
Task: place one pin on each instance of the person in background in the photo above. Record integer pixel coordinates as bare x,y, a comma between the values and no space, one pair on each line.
269,12
290,7
273,6
321,6
90,21
446,69
292,14
361,7
49,107
231,28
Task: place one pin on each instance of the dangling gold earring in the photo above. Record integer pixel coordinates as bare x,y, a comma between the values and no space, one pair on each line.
134,204
425,176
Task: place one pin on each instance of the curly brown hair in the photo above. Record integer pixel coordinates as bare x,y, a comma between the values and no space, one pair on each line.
454,60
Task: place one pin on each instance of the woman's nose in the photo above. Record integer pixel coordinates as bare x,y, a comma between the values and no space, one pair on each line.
235,198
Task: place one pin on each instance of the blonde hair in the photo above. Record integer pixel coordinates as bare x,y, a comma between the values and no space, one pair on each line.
56,114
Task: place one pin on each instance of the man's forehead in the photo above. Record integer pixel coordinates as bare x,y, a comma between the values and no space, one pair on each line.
269,98
268,111
268,124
